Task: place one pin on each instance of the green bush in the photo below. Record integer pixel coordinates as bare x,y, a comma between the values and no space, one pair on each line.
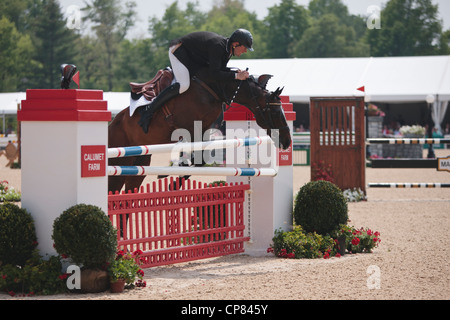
17,235
37,276
321,207
297,244
85,234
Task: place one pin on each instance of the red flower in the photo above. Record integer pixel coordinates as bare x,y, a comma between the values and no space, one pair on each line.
141,283
355,241
338,255
291,255
326,255
140,272
12,293
63,276
269,250
120,253
283,253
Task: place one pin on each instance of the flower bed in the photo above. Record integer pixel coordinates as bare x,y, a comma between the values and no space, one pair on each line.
8,193
298,244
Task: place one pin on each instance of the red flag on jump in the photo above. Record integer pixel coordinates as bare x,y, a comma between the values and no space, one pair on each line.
363,89
76,79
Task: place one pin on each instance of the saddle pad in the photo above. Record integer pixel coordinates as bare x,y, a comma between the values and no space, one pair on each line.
144,93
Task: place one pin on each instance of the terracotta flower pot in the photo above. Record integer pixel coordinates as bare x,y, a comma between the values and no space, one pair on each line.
118,286
94,281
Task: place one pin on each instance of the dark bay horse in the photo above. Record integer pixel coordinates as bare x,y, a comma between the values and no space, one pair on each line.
202,102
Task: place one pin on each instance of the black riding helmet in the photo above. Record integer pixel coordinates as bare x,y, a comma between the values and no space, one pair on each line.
244,37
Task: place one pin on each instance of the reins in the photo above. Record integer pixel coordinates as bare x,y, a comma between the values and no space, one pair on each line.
226,105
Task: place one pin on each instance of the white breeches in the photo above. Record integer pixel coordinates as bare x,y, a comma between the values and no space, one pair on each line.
180,71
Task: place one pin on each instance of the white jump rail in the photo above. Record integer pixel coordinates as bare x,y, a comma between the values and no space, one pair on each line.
196,171
185,147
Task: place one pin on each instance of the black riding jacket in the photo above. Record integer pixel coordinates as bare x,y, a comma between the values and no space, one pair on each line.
205,50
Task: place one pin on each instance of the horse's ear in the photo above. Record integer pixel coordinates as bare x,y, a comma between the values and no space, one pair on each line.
263,79
280,91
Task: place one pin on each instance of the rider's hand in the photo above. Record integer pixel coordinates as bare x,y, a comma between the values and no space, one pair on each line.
242,75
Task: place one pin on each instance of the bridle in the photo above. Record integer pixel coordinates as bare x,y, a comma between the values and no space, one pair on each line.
265,112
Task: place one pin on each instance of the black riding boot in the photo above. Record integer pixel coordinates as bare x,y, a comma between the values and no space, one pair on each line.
148,111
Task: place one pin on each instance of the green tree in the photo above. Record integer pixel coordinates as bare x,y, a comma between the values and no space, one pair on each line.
285,25
174,24
445,43
328,38
111,23
227,16
135,63
319,8
54,44
408,28
91,63
15,52
15,11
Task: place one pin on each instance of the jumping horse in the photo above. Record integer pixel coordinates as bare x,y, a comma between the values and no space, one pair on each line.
203,102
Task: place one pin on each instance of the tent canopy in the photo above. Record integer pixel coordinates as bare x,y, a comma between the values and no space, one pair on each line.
389,80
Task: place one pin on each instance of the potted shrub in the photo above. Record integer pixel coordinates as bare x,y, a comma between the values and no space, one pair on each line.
359,240
321,207
85,235
124,270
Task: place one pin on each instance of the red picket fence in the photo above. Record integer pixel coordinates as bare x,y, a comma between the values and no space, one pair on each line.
196,221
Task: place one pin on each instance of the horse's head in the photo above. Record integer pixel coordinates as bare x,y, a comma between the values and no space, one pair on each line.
267,108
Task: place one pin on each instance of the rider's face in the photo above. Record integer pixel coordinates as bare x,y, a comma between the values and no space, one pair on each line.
239,50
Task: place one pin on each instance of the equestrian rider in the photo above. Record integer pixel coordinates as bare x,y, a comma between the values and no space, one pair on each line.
198,50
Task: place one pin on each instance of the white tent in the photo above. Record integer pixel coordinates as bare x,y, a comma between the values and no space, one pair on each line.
9,102
386,80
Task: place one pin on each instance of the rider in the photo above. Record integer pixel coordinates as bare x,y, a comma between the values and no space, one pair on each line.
197,50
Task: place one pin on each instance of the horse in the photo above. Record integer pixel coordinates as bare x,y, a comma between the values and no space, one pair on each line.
203,101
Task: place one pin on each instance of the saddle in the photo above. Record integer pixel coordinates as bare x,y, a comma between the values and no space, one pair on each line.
143,93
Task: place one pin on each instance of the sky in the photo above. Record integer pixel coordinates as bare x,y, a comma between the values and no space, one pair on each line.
156,8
